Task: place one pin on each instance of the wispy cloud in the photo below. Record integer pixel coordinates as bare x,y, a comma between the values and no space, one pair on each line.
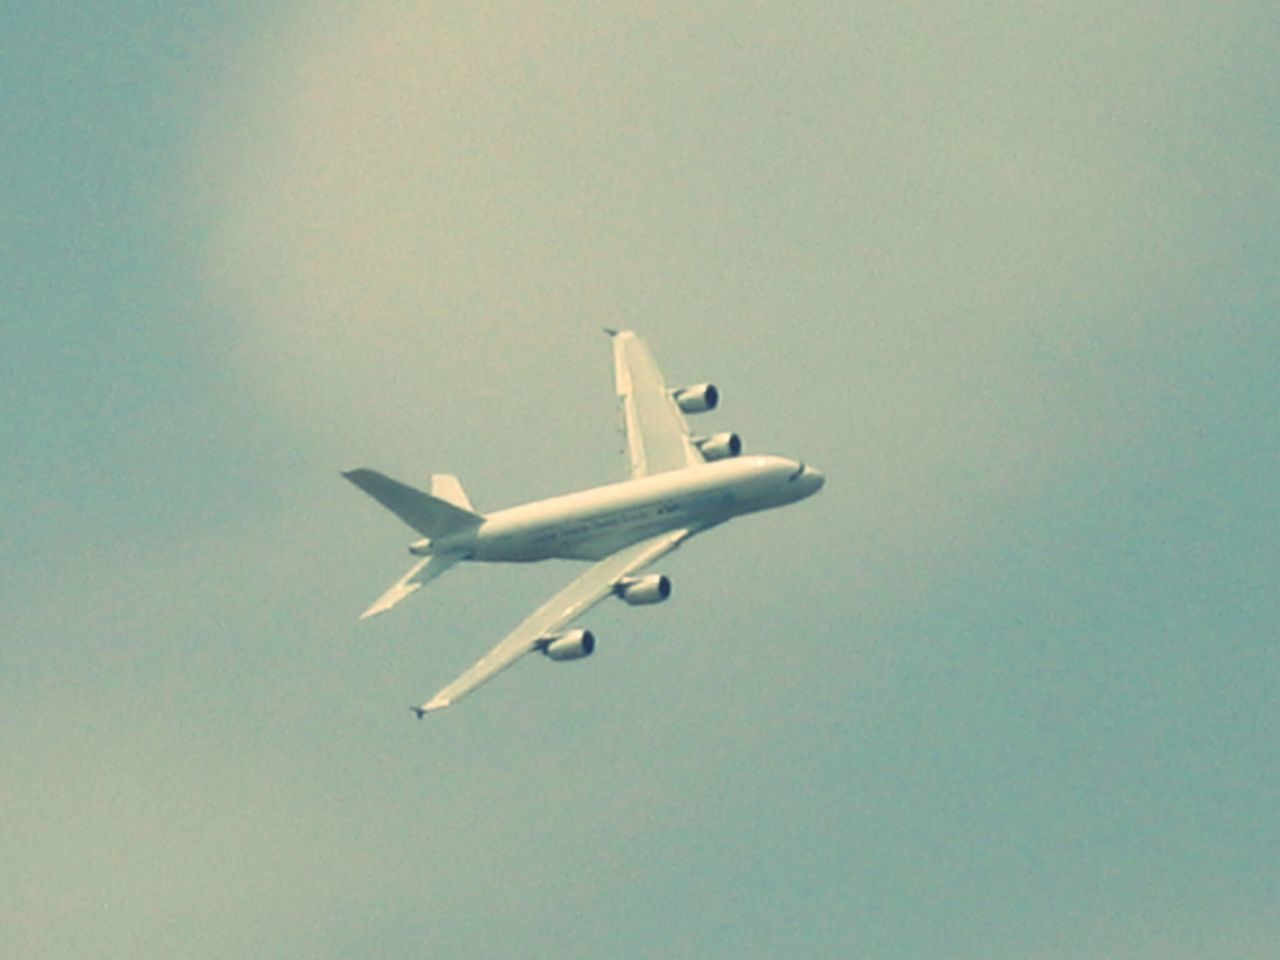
407,203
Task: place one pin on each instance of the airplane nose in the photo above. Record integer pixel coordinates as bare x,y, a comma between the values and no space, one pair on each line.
816,477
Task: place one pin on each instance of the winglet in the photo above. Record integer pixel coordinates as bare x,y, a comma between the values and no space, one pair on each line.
430,707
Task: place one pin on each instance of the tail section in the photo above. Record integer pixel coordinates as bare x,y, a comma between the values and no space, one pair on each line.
443,511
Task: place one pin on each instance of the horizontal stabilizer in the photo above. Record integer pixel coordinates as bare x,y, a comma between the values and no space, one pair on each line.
430,516
420,573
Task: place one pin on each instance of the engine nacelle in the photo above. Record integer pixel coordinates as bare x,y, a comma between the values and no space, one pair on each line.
573,645
697,399
719,446
638,591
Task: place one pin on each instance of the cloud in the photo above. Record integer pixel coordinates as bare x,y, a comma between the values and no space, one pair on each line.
957,228
951,256
402,201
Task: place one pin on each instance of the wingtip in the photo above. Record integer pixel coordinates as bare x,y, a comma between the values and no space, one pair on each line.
430,707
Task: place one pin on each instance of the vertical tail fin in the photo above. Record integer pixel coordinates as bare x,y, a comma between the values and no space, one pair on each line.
445,486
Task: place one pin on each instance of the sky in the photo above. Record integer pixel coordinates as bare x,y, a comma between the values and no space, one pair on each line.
1006,272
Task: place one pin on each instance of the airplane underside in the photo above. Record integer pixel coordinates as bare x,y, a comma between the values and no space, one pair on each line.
680,484
558,544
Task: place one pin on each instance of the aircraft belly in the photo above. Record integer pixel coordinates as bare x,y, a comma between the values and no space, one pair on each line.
596,534
600,545
584,538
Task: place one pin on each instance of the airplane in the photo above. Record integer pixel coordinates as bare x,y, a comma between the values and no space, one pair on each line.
681,484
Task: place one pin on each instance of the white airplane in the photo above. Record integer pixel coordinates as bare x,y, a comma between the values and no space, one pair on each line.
680,485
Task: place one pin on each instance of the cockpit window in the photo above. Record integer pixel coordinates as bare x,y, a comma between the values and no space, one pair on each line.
798,473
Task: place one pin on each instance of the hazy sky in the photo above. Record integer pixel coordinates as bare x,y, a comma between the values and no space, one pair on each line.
1007,272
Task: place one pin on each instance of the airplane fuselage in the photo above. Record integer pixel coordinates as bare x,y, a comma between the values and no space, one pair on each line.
682,483
592,524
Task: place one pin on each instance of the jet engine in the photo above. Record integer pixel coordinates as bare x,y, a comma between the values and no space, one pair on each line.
573,645
719,446
638,591
697,399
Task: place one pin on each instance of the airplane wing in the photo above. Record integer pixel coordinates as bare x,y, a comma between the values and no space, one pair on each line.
657,434
566,606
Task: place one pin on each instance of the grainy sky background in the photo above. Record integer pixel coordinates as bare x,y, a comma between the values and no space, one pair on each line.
1006,271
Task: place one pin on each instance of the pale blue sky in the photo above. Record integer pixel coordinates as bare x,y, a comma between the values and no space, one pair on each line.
1006,688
